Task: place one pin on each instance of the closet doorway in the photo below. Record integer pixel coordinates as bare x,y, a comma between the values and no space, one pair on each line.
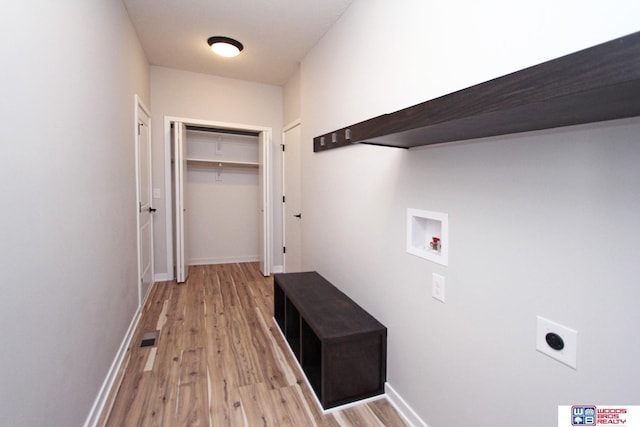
220,193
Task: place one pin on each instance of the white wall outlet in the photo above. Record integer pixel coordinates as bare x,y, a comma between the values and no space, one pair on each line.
557,341
156,193
437,287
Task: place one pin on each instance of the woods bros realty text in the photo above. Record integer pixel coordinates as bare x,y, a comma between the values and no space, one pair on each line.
592,415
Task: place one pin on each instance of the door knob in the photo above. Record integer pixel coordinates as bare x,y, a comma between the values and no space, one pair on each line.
152,209
298,216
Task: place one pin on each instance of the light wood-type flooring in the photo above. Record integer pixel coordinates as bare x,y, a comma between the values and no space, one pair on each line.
220,361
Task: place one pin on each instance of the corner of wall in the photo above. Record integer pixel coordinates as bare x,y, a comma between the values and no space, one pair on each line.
403,408
291,98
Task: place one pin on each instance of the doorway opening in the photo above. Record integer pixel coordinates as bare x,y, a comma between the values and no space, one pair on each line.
220,202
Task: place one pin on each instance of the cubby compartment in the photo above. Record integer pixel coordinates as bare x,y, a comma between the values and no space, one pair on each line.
292,327
428,235
278,307
311,359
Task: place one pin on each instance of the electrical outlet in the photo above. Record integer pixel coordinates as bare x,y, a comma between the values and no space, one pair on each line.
437,287
557,341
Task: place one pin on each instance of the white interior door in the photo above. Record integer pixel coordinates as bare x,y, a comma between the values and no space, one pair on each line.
292,210
263,182
145,210
180,170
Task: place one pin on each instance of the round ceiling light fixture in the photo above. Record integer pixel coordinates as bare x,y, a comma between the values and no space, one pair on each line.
225,46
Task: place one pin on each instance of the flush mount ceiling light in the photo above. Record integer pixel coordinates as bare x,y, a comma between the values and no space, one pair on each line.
225,46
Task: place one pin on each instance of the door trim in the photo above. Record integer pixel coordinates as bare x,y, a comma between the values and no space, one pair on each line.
180,171
268,230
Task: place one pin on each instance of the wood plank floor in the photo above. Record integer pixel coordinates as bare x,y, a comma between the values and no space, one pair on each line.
220,361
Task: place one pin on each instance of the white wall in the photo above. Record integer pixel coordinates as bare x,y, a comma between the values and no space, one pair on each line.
539,223
199,96
291,99
68,238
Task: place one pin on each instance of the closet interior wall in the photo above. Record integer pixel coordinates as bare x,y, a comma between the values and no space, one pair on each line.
222,192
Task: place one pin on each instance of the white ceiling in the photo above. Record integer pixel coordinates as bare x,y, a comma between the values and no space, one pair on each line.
276,34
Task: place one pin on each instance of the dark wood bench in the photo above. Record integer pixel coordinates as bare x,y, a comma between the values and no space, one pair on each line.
341,348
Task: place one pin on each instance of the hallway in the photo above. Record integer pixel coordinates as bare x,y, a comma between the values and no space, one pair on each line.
221,361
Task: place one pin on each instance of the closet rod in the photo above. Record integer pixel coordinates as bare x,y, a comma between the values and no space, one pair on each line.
227,131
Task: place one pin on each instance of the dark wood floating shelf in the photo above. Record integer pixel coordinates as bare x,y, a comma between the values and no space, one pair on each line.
596,84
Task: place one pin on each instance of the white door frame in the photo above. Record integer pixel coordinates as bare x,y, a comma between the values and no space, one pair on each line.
267,203
140,107
297,122
179,199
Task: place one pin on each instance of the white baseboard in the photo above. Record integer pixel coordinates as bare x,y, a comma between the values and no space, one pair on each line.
162,277
277,269
165,277
107,385
403,408
224,260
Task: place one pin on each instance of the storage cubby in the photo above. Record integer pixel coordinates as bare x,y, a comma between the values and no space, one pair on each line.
292,327
310,359
428,235
341,348
278,307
